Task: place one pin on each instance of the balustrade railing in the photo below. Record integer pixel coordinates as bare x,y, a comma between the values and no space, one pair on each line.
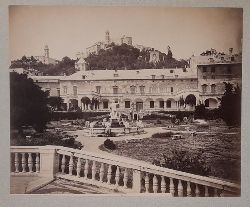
117,173
25,160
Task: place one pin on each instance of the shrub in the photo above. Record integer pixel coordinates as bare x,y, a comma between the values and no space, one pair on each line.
109,144
162,135
186,162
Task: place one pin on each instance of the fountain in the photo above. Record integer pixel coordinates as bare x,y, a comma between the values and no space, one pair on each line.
115,125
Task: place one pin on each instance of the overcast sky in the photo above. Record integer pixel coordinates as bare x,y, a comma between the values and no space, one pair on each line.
70,29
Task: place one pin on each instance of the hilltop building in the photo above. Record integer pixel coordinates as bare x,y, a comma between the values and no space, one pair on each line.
145,90
46,59
95,48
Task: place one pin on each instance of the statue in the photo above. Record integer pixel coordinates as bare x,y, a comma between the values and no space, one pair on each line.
114,114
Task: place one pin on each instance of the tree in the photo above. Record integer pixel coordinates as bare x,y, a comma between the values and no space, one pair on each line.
230,107
55,102
28,103
200,111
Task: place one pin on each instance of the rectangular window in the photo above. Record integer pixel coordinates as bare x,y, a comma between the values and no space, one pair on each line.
204,69
65,90
132,89
204,77
115,90
115,74
98,89
152,104
127,104
161,104
213,76
172,89
229,70
213,88
105,104
142,89
75,90
58,91
204,88
153,76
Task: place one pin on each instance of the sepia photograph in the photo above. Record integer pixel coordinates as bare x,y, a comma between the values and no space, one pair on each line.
125,100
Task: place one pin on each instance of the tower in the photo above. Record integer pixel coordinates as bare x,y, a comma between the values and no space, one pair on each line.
107,37
46,54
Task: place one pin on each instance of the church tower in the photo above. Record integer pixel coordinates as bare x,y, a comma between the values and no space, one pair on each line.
46,54
107,37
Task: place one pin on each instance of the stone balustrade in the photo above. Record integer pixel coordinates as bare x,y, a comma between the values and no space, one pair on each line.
115,172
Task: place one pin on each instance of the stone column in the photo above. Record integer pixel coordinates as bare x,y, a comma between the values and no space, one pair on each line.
49,161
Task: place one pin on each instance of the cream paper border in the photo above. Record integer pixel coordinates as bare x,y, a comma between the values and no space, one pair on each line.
62,200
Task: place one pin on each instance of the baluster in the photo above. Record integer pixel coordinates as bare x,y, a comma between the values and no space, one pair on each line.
16,163
117,176
78,167
197,190
93,170
70,164
102,172
171,186
30,164
163,184
109,174
86,169
147,183
189,190
155,184
180,189
63,164
23,163
206,191
125,179
37,163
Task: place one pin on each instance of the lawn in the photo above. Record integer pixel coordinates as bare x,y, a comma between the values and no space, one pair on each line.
219,149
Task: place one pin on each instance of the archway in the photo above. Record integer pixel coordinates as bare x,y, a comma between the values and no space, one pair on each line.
211,103
160,103
94,103
86,102
190,102
170,103
73,104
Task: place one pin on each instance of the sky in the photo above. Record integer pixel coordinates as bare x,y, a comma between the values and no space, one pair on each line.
71,29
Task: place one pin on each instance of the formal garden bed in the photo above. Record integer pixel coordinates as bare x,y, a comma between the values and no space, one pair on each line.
55,134
216,148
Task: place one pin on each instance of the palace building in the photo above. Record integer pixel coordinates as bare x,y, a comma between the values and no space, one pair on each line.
145,90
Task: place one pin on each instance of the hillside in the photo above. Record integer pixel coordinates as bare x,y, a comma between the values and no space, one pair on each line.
65,66
118,57
128,57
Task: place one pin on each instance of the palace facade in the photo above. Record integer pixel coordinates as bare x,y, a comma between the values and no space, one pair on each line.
147,90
